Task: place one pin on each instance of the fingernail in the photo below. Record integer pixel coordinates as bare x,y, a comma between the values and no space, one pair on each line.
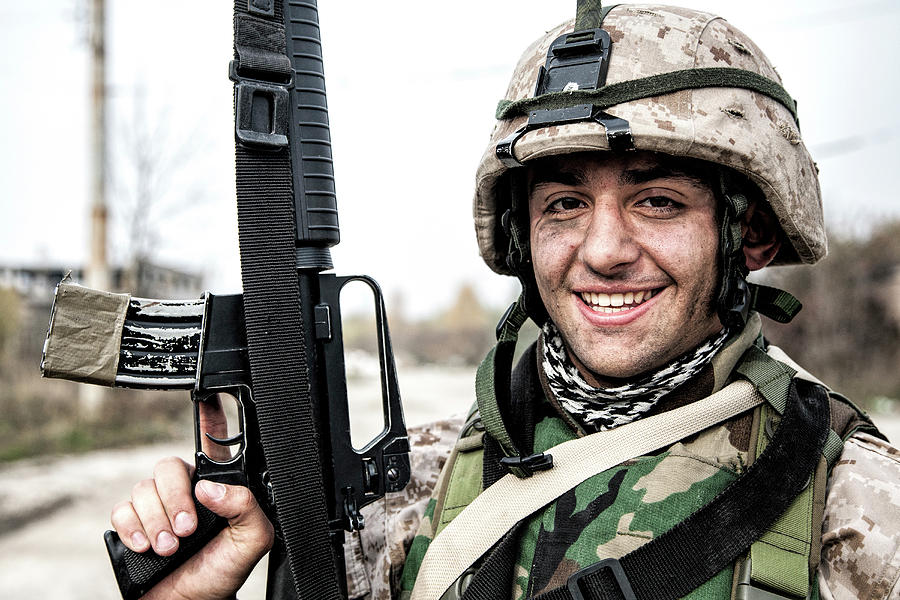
139,540
214,490
165,541
183,522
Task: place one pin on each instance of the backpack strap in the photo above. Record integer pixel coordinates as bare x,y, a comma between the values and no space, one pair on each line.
492,389
786,557
464,469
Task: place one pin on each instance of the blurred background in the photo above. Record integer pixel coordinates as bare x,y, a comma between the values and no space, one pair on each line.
116,162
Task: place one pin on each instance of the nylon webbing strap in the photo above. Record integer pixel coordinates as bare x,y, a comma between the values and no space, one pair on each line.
834,445
278,368
278,359
492,378
771,377
779,559
648,87
678,561
776,304
496,510
588,14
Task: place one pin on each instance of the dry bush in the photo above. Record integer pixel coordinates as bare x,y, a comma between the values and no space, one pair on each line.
460,335
42,416
848,332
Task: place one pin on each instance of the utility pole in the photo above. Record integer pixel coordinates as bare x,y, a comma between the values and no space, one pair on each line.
97,270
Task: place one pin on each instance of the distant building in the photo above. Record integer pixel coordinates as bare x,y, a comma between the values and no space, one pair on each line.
35,284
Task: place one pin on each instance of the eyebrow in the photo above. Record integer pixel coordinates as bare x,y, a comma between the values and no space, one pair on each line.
573,176
638,176
544,175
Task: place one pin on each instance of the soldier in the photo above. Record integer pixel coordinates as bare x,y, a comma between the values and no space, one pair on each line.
644,161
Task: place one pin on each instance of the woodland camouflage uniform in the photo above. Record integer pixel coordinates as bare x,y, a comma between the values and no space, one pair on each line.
859,558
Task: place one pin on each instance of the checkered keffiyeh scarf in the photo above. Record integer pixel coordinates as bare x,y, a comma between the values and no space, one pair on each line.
599,409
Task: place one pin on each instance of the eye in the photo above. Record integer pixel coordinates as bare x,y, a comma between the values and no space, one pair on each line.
659,204
565,204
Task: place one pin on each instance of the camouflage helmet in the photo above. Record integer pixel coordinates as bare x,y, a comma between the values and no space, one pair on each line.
750,127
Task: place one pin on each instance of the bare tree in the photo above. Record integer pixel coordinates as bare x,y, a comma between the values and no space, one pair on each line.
150,158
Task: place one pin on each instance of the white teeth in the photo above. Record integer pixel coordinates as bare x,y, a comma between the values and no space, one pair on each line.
618,302
610,309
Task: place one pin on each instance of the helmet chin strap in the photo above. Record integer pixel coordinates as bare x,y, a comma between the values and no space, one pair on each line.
737,297
733,300
518,258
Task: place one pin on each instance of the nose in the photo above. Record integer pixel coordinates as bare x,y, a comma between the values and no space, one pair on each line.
609,244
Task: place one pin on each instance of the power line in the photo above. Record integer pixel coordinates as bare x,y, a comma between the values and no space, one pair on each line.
854,143
841,15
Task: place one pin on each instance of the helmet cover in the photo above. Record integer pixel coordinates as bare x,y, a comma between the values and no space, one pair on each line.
745,130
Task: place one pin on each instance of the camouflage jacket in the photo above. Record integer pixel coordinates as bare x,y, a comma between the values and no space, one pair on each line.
375,556
861,527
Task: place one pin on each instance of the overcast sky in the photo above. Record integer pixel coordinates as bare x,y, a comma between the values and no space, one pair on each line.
412,88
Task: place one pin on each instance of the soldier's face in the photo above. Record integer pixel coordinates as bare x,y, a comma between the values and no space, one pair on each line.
624,250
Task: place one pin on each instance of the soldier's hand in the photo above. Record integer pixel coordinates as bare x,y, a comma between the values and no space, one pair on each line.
161,511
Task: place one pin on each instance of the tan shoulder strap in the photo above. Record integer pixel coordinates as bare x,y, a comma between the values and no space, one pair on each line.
477,528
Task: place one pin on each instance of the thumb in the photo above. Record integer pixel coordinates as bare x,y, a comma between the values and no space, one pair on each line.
220,568
246,518
249,534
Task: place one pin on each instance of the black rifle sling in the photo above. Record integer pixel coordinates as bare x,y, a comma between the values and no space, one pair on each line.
680,560
272,310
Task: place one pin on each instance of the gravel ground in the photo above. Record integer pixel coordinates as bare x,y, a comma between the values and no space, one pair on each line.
53,511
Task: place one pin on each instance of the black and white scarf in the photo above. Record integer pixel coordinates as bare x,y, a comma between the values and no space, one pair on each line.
599,409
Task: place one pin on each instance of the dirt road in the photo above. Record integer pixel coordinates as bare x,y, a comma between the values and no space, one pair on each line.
53,511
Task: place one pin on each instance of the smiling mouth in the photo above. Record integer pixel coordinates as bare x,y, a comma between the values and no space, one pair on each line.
613,303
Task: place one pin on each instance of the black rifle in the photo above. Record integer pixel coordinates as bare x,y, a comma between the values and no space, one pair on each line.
277,348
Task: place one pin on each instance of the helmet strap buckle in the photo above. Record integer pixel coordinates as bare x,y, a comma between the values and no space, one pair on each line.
618,131
575,61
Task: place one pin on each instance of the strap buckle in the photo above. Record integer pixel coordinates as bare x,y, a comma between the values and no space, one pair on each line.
745,589
618,131
262,112
528,465
575,61
573,584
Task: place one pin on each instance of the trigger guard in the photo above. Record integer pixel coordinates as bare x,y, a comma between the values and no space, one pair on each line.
229,441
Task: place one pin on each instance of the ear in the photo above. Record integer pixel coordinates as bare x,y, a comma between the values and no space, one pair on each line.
759,228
